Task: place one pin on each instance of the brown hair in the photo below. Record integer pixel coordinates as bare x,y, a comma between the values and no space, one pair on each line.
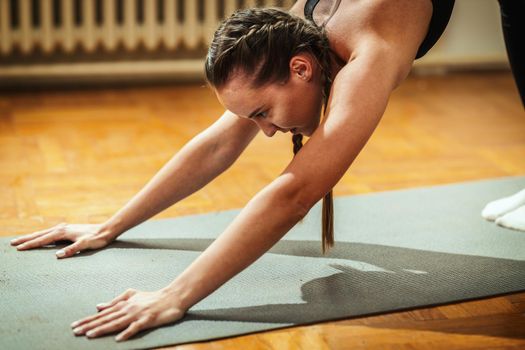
262,41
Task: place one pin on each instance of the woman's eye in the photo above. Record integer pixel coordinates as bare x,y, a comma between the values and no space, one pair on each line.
261,115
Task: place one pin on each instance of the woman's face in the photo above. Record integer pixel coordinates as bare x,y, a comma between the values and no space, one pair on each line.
294,106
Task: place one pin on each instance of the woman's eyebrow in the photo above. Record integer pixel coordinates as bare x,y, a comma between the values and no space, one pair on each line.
252,114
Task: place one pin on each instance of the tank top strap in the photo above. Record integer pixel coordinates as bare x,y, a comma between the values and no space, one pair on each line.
309,9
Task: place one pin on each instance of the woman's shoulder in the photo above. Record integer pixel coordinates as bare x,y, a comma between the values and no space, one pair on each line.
355,25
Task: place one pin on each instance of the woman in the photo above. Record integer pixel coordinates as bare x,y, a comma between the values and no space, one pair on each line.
272,71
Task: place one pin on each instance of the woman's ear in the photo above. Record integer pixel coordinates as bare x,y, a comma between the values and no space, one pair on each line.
301,67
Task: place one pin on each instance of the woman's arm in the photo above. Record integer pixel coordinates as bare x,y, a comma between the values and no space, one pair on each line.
358,100
197,163
202,159
359,97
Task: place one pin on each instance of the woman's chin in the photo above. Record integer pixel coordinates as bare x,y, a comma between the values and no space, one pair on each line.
297,131
308,131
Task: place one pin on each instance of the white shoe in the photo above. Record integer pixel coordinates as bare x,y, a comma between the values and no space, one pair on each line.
502,206
514,220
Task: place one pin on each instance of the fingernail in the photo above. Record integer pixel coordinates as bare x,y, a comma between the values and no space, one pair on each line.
21,246
90,333
118,338
101,305
77,330
60,253
74,324
13,241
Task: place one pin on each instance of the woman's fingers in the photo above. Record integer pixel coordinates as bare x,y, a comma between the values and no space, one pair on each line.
133,312
71,249
124,296
23,239
96,316
113,326
40,241
82,236
133,329
80,245
115,304
79,330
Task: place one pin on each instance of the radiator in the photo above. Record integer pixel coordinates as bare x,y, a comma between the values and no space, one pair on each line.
94,40
56,41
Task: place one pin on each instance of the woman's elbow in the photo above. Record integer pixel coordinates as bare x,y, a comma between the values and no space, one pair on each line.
293,195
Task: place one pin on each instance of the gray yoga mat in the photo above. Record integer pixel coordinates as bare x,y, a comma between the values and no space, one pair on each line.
394,250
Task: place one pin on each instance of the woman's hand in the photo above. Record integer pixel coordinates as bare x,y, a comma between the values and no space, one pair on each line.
84,236
132,311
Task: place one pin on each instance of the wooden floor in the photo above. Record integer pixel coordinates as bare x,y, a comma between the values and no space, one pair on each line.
78,156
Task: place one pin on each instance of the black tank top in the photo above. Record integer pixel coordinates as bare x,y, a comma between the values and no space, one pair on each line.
440,17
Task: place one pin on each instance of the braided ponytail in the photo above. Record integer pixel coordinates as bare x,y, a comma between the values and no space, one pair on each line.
261,42
328,205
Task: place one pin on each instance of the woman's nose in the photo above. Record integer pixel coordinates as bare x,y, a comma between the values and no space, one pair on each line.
268,128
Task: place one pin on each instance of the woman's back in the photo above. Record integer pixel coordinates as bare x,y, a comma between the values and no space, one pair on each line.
354,25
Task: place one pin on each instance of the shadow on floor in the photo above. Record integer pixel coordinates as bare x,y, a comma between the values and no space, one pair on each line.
374,279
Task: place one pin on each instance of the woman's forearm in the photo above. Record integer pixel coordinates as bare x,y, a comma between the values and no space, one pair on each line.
263,222
196,164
